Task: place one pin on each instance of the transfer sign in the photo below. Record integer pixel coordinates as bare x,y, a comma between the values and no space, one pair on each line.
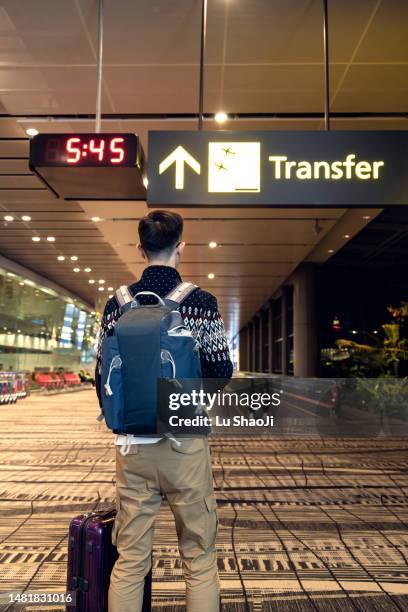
280,169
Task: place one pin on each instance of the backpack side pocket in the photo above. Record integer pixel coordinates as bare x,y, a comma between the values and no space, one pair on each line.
112,384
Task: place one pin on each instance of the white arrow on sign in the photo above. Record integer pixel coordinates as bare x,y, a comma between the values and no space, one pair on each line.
180,157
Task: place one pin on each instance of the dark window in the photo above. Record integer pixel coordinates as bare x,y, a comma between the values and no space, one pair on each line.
265,341
243,349
277,336
256,340
289,330
250,353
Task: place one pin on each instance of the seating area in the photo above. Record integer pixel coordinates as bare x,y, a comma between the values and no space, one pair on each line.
55,381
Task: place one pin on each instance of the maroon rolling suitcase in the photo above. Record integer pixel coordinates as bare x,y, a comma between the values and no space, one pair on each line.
91,556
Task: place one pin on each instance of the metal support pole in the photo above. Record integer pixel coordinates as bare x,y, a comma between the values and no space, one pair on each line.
202,60
326,66
99,69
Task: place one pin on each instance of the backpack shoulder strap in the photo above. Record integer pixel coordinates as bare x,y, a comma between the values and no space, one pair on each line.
123,296
181,292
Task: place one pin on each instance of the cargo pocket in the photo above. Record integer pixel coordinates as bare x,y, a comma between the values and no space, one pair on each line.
196,524
211,507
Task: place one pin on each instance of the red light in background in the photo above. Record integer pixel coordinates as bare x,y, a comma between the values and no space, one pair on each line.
336,324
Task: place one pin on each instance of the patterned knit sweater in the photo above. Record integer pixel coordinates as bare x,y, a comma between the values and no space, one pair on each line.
199,311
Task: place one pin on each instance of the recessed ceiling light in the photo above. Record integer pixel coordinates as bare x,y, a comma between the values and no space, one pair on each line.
366,217
91,281
22,283
330,251
221,117
31,132
61,258
211,275
51,238
346,236
77,269
26,218
212,245
101,282
100,288
353,331
36,239
87,269
8,218
74,258
110,288
95,219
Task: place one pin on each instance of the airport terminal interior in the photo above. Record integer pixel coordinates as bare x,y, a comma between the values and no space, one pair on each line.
313,516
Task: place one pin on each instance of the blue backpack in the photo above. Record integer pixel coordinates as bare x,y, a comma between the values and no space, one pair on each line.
149,342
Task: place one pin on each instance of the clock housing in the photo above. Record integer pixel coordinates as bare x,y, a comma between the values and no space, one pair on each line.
106,166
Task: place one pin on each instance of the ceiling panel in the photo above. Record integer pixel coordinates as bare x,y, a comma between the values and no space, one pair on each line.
14,166
47,32
367,88
373,123
33,194
50,90
153,89
133,211
231,254
241,32
348,21
13,148
29,181
65,227
231,231
146,32
386,38
277,270
268,88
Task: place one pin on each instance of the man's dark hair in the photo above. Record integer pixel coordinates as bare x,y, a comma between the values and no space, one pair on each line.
160,230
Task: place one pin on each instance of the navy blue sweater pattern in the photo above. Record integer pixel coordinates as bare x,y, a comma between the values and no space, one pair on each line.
199,311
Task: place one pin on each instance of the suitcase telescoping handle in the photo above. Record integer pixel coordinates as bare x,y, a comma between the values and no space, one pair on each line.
136,304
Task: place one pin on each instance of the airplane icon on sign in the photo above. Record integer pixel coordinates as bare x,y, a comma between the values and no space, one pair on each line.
220,166
234,167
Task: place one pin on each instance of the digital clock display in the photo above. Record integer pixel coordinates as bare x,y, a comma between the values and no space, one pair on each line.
90,166
84,150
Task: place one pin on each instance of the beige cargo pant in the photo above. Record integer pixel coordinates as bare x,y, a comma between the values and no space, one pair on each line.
183,474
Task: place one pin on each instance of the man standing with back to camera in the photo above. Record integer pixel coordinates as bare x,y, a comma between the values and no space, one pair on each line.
178,469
